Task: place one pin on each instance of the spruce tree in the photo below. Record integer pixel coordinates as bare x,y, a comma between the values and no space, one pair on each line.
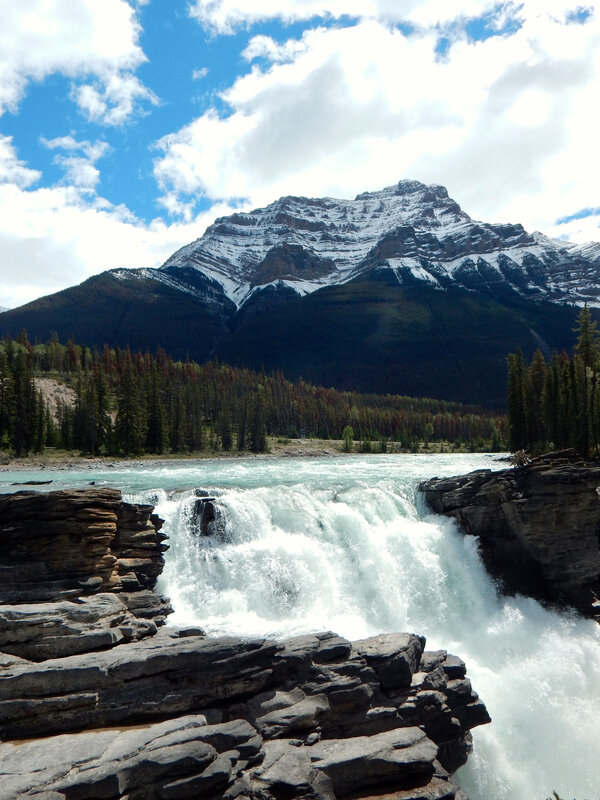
25,421
517,416
258,429
535,424
156,433
224,429
129,426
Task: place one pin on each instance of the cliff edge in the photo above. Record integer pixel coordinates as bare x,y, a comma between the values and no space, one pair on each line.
538,525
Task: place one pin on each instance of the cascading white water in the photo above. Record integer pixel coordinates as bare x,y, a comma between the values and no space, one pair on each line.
343,544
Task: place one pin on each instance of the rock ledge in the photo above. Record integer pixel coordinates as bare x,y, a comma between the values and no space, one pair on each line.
538,525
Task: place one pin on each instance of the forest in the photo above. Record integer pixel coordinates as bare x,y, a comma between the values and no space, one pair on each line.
555,404
134,403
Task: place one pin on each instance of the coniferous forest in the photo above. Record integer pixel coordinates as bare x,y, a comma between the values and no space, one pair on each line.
134,403
556,404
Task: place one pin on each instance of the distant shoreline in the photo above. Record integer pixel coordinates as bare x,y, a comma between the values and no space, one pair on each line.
295,448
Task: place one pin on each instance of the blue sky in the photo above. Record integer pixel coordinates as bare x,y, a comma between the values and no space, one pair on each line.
126,127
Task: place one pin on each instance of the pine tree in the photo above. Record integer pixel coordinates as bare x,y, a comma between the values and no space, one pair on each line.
25,421
535,424
7,400
587,346
224,429
156,433
258,429
517,417
129,427
242,425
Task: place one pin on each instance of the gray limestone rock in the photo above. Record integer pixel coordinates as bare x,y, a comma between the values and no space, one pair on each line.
538,525
39,631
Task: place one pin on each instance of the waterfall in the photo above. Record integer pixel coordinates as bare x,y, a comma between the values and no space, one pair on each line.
356,553
343,544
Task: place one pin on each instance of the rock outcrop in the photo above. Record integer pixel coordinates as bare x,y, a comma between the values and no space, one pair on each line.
538,525
96,701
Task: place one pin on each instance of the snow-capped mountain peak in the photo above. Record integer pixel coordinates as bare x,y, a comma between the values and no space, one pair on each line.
417,230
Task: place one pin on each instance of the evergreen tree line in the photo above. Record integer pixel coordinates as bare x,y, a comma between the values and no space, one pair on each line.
556,404
132,403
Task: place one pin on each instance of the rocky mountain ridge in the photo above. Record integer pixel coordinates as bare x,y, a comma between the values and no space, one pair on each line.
416,231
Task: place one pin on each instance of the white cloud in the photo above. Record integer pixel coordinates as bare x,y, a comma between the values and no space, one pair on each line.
80,39
508,124
11,169
265,47
113,98
80,170
198,74
52,238
224,16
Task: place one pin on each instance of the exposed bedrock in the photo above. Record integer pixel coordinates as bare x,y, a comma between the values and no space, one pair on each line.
98,702
538,525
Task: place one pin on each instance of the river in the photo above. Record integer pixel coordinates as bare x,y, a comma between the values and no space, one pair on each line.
345,544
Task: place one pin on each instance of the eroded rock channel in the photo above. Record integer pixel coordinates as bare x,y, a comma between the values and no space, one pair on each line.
100,699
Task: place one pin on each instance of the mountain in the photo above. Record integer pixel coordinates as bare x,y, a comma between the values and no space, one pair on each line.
396,291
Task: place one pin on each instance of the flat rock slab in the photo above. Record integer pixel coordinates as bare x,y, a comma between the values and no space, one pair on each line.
403,759
161,760
41,631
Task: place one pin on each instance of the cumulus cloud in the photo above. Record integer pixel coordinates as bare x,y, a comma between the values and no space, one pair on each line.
113,98
80,166
507,123
12,170
56,237
80,39
224,16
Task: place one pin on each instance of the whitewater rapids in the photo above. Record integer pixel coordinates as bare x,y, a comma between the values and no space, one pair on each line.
344,544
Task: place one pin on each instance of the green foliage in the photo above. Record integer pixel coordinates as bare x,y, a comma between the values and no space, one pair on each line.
557,404
258,428
348,437
129,403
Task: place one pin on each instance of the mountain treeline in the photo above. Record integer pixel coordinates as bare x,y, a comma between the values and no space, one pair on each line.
133,403
556,404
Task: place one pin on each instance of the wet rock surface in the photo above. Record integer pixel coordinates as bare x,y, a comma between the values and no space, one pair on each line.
538,525
97,700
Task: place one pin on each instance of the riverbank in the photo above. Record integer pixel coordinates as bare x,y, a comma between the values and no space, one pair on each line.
278,448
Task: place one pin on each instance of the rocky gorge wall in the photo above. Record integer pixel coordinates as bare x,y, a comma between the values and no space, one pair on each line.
98,698
538,525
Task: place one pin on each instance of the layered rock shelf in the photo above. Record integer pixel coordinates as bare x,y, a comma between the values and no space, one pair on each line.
538,525
99,699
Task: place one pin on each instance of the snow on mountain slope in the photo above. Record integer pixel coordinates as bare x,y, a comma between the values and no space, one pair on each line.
416,230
